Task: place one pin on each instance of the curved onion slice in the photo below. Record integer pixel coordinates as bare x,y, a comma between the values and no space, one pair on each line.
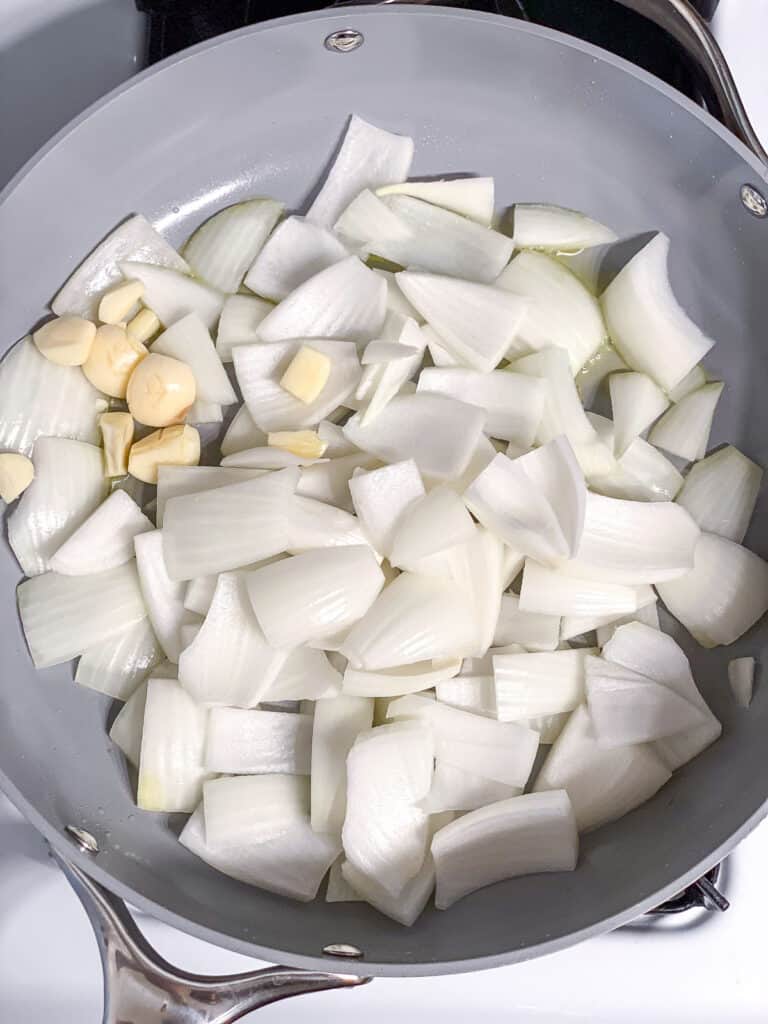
395,682
382,496
477,323
163,596
603,783
741,677
295,251
641,474
134,239
63,616
336,725
648,615
227,528
242,433
39,398
173,481
647,324
68,486
385,835
692,381
259,369
314,595
556,229
475,693
368,224
189,341
521,836
470,197
723,595
104,540
306,674
118,664
514,403
415,618
294,864
430,524
253,809
440,434
553,592
636,401
684,430
222,249
229,661
396,372
454,789
315,524
239,325
634,542
346,301
560,311
369,157
530,685
329,481
535,632
171,295
720,492
563,411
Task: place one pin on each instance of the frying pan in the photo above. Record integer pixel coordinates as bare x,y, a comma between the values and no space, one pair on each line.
259,112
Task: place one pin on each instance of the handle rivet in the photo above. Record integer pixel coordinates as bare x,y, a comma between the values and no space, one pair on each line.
344,41
83,840
343,949
754,201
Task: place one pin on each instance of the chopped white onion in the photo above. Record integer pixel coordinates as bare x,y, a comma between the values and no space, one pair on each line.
521,836
641,474
692,381
265,458
171,295
530,685
116,665
382,496
430,524
648,615
104,540
315,524
394,375
129,723
295,251
199,594
329,481
636,402
556,229
741,677
720,492
645,321
684,430
395,682
188,340
64,616
591,376
242,433
454,789
173,481
222,249
553,592
252,809
164,597
306,674
239,323
470,197
368,224
563,412
534,631
475,693
336,725
68,486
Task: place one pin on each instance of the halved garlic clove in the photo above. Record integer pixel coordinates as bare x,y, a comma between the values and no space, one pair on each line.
117,433
67,340
304,443
178,445
161,390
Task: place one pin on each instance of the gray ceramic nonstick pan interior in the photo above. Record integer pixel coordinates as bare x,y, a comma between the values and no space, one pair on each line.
260,112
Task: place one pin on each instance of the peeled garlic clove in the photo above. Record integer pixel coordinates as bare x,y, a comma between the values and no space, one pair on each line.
117,434
143,325
118,302
160,391
174,446
307,374
304,443
112,359
67,340
16,474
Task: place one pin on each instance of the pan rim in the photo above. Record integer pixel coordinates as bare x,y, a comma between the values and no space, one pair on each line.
59,841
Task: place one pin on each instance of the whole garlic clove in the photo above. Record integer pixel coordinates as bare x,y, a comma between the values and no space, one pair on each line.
161,390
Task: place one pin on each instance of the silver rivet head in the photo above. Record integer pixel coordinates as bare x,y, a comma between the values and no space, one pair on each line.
343,949
84,840
754,201
344,41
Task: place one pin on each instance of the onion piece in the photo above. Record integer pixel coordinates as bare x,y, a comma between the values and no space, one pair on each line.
239,323
692,381
723,595
67,487
338,889
470,197
578,625
295,251
741,677
104,540
336,444
648,615
413,619
163,597
477,323
199,594
556,229
222,249
591,376
396,301
627,707
134,239
438,353
368,223
171,765
116,665
395,682
259,369
382,496
521,836
603,783
503,751
440,434
641,474
636,402
720,492
454,789
563,412
263,458
242,433
253,809
336,725
396,372
514,403
306,674
39,398
315,524
560,310
294,864
553,592
647,324
369,157
385,835
684,430
174,481
188,340
314,595
227,528
475,693
534,631
634,542
129,723
171,295
329,481
229,661
530,685
346,301
443,242
430,524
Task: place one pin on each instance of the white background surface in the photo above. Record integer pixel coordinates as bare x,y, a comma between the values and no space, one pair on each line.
708,971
